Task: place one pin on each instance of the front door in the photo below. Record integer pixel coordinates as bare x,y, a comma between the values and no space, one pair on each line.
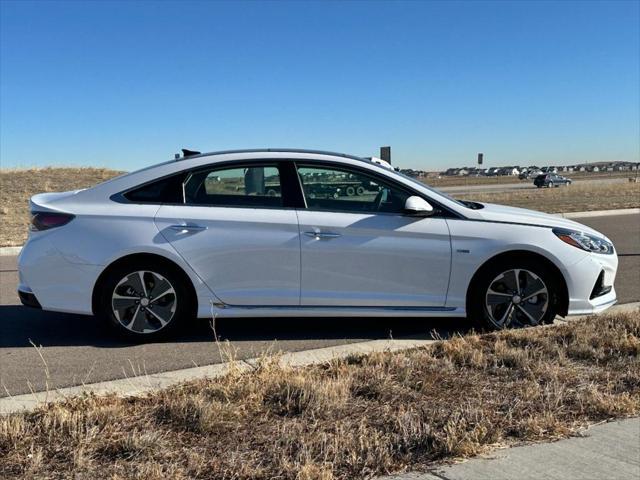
359,249
235,232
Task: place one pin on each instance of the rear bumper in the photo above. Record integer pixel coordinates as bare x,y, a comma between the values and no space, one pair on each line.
27,297
50,282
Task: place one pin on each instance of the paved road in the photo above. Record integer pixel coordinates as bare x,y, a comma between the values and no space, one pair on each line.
522,185
78,349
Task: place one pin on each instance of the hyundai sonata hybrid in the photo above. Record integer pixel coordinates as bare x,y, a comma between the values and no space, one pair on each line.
301,233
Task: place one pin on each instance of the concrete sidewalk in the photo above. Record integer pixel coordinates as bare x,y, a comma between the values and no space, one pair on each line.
606,452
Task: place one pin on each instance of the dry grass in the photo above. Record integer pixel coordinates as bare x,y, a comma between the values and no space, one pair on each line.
445,181
352,418
575,198
17,186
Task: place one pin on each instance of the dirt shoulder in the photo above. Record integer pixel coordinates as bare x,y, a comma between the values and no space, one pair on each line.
17,186
574,198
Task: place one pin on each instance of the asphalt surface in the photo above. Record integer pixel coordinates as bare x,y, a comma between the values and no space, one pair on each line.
44,350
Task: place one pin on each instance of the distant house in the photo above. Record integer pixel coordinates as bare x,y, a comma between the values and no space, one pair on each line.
580,168
493,171
621,167
593,168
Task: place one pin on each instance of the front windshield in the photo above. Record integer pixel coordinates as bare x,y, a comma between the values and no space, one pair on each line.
434,190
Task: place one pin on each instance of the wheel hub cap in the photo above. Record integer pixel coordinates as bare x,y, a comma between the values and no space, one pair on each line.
516,297
144,302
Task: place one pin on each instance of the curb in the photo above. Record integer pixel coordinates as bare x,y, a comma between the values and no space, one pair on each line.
9,251
127,387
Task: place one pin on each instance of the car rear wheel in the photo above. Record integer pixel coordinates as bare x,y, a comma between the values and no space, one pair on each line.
514,294
144,301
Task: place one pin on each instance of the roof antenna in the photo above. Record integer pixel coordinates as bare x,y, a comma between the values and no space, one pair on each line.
189,153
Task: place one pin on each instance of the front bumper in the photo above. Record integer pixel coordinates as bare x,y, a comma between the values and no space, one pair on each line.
590,284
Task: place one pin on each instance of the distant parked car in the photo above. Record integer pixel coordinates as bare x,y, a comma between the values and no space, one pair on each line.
551,180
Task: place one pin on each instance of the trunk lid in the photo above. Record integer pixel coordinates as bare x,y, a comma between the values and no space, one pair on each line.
46,202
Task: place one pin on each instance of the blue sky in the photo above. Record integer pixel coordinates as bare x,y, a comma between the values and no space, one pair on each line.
127,84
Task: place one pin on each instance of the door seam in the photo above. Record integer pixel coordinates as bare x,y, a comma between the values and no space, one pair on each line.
300,257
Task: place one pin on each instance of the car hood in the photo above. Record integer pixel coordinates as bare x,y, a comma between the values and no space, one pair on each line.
500,213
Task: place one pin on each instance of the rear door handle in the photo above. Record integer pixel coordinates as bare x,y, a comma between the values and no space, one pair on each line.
187,228
322,234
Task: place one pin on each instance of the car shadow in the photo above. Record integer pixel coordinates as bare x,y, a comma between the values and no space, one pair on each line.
20,326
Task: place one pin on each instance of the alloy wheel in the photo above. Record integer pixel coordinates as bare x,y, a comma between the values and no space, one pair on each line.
144,302
517,297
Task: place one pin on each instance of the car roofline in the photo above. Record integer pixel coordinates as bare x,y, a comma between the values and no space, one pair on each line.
275,150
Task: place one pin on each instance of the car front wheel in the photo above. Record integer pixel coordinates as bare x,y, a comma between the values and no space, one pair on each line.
144,301
513,295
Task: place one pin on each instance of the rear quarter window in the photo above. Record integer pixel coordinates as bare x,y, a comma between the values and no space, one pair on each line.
166,190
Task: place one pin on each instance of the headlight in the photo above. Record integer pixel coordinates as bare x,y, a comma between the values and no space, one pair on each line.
584,241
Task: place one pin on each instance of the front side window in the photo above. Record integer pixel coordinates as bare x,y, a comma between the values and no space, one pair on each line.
247,186
337,189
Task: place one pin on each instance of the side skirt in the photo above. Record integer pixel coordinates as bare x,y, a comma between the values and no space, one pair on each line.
229,311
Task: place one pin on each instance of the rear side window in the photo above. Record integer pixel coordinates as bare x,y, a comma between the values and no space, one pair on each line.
167,190
246,186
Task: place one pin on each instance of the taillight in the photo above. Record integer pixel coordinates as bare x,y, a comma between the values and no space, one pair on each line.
46,220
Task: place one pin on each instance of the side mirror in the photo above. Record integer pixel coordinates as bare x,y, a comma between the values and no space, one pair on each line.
418,206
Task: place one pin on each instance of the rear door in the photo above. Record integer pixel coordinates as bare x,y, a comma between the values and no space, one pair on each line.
236,230
358,248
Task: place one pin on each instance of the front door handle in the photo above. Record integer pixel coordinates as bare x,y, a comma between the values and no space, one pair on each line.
322,234
187,228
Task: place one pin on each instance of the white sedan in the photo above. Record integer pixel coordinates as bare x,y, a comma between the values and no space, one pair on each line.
273,233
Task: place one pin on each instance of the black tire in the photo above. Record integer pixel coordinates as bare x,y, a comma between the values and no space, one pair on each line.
478,297
147,326
550,185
